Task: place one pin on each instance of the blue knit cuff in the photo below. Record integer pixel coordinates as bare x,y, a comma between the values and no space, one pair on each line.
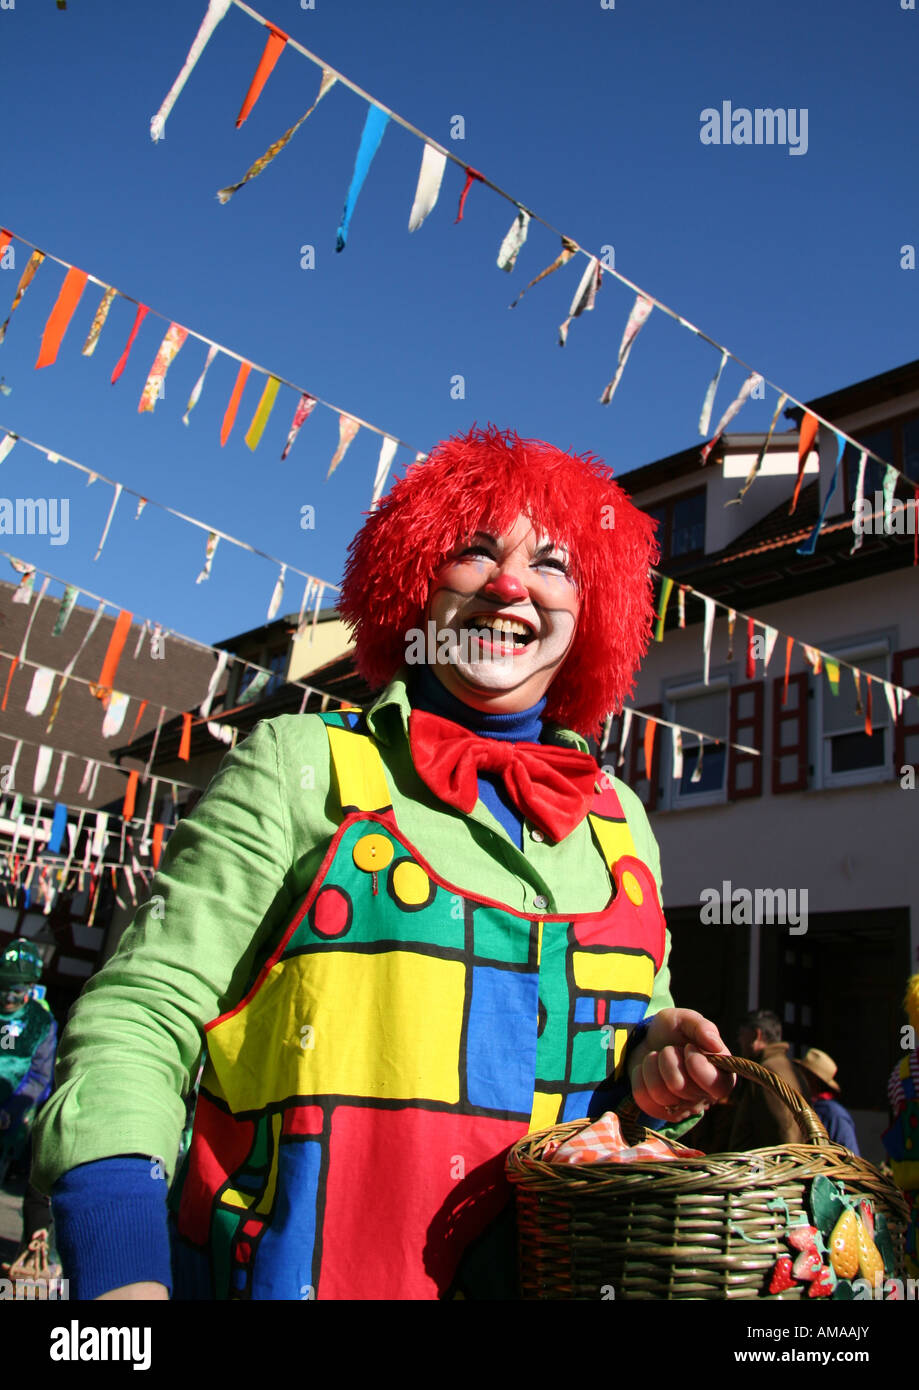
110,1225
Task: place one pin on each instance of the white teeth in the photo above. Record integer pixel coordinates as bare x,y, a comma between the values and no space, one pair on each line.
510,625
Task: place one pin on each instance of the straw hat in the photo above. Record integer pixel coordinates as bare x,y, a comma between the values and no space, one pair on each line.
821,1065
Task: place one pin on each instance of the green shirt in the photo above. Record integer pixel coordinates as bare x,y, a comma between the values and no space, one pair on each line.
230,878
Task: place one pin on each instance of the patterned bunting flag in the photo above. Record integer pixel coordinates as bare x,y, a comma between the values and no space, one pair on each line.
305,407
430,177
153,388
569,249
25,280
584,297
808,547
213,540
806,436
681,605
255,687
869,727
888,488
641,310
676,736
374,126
89,347
472,175
229,417
753,382
706,412
754,471
347,429
196,390
832,674
64,309
516,236
140,315
274,46
225,194
732,620
216,10
262,412
859,499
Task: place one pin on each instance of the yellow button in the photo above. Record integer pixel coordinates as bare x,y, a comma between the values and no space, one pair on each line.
372,852
411,884
632,888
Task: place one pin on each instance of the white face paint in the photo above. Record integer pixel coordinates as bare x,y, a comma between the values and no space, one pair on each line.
505,611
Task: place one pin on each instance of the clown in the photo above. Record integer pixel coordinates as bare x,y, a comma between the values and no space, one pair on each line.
445,935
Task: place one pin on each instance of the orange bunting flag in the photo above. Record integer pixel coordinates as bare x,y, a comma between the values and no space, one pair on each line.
229,418
185,741
140,715
130,795
142,311
60,316
5,239
789,645
157,849
650,731
112,657
272,52
14,662
806,437
869,730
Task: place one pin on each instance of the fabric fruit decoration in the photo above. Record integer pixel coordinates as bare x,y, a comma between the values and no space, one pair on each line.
866,1216
870,1264
802,1237
808,1265
822,1285
781,1275
844,1245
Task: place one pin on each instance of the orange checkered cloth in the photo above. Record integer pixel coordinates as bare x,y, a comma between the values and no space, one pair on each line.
603,1142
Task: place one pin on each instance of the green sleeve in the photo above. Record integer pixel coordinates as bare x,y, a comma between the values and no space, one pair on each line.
134,1037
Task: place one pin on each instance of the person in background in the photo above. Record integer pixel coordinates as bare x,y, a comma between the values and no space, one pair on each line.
820,1072
28,1036
762,1119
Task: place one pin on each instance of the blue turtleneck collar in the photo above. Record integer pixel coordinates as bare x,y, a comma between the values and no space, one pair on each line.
519,726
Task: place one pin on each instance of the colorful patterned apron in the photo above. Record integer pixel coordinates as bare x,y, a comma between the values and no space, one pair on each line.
901,1141
358,1103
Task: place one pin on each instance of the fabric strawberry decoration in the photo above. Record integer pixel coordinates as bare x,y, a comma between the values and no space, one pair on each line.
808,1265
802,1238
866,1215
822,1284
781,1275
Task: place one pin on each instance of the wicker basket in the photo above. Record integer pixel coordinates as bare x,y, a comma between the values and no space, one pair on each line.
699,1228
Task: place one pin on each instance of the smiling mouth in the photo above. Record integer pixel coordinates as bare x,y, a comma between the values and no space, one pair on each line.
505,632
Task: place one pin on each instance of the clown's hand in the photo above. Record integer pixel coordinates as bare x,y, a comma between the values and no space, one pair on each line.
670,1077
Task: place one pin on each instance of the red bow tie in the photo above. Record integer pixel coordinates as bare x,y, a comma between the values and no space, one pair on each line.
550,786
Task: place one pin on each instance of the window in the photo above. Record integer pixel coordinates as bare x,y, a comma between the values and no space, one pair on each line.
276,663
849,755
681,525
705,710
896,443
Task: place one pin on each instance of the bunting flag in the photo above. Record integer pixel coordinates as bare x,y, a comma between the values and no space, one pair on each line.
32,616
789,646
210,547
681,605
216,10
152,753
139,716
888,488
706,412
58,829
808,547
196,390
5,239
141,503
62,768
650,731
185,740
205,707
512,243
42,768
262,412
225,194
23,592
255,687
144,629
859,499
472,175
157,848
6,445
140,315
277,595
40,693
25,280
105,303
316,611
751,650
108,520
153,388
584,297
732,620
274,46
806,437
115,711
569,249
814,657
347,429
869,728
68,669
666,590
112,656
427,191
677,740
753,382
891,699
754,471
832,674
641,310
771,636
374,126
305,407
309,589
384,463
68,600
857,681
229,417
64,309
709,604
697,770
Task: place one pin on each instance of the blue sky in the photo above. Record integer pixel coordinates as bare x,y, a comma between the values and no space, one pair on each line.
590,116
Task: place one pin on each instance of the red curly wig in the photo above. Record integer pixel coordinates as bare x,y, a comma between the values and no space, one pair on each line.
490,476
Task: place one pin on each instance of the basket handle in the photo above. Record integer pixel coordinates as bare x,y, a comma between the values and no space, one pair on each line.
807,1118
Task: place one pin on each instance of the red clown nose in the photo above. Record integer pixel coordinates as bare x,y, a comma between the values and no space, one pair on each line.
505,587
